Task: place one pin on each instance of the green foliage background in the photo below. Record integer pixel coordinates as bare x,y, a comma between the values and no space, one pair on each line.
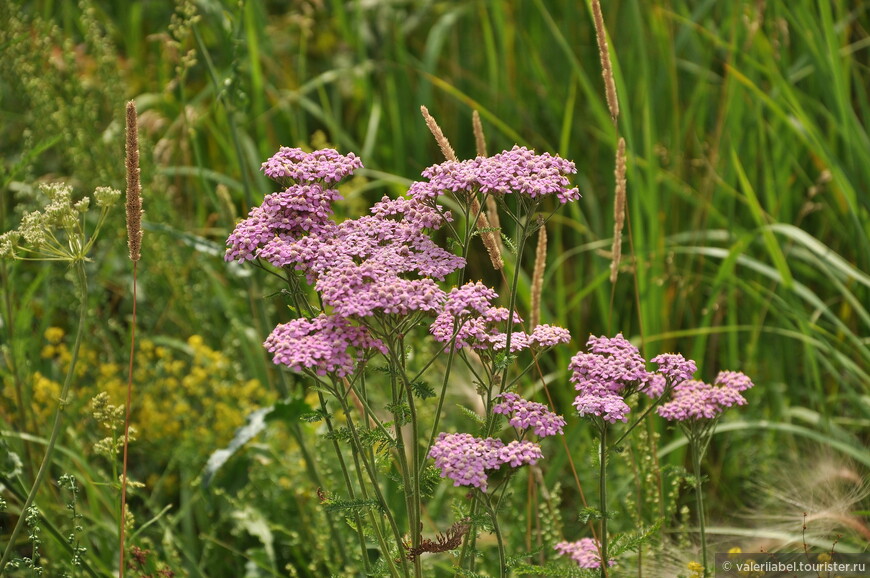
748,195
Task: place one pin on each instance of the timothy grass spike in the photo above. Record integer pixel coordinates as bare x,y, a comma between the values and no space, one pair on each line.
134,240
618,210
479,139
442,141
494,234
134,186
489,235
606,65
490,240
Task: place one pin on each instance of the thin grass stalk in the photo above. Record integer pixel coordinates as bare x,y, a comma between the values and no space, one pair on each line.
23,415
538,278
127,404
82,286
134,242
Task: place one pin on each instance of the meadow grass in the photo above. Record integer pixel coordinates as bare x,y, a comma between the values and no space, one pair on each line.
747,241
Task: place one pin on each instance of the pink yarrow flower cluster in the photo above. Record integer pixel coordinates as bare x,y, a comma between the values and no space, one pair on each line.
466,459
320,344
302,208
697,401
586,552
673,368
293,165
526,414
479,323
471,307
611,370
382,263
518,171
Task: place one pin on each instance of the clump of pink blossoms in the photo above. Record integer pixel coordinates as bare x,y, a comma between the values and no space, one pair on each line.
613,368
532,415
470,320
466,459
585,551
695,400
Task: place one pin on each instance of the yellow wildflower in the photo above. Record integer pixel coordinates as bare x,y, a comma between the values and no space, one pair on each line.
53,335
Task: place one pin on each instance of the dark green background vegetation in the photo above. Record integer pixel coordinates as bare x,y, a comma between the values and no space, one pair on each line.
748,204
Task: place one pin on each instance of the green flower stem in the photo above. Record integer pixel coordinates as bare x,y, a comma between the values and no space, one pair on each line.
416,513
348,484
698,435
450,355
502,557
490,423
410,501
602,493
513,298
699,498
310,466
82,286
359,456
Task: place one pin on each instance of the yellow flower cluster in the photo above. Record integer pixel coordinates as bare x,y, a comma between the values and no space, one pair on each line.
186,395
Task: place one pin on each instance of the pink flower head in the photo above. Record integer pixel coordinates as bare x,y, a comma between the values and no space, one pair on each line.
517,171
293,165
518,453
586,552
673,369
471,306
529,415
369,288
549,336
466,459
320,344
612,364
608,406
297,211
695,400
519,341
611,370
379,263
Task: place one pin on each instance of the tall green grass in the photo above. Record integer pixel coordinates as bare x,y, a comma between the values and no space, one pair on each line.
748,182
